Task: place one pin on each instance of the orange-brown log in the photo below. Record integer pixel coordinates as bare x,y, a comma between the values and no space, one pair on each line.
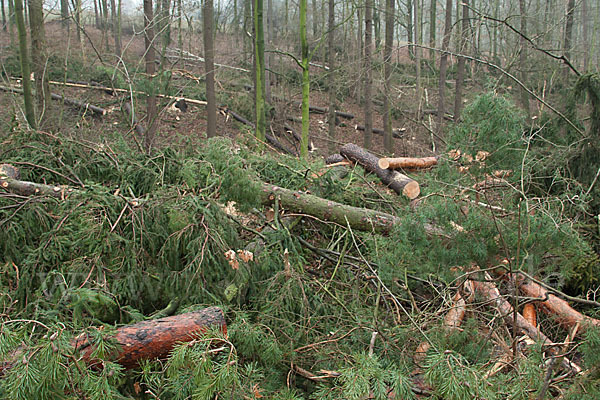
407,162
529,314
396,181
154,339
566,315
452,321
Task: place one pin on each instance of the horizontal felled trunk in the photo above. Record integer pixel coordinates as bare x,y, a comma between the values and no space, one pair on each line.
397,133
407,162
70,102
396,181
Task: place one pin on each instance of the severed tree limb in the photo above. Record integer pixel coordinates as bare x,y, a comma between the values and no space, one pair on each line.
146,340
70,102
25,188
407,162
396,181
397,133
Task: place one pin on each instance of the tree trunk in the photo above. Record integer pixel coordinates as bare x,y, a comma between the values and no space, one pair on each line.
417,53
368,73
407,163
409,27
25,67
209,65
331,61
432,28
96,14
64,13
523,57
396,181
305,80
314,19
39,57
104,5
11,21
460,69
115,15
568,34
268,58
259,59
585,33
151,111
388,143
246,26
444,64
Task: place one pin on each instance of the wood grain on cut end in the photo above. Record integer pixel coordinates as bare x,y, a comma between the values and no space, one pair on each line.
412,190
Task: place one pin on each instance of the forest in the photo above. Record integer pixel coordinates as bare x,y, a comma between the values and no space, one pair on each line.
340,199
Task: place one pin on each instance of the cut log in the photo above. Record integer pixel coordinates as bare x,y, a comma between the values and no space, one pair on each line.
70,102
148,340
139,128
325,110
407,162
334,159
566,315
25,188
529,314
296,135
397,133
400,183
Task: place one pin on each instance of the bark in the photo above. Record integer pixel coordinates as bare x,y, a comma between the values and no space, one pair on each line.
10,171
432,28
568,33
334,159
555,306
444,63
460,69
396,181
409,27
259,60
388,143
395,132
323,110
139,128
297,137
64,13
25,188
211,107
104,7
39,57
11,20
368,73
523,57
149,340
146,340
116,25
417,51
585,34
268,76
305,79
151,111
96,15
25,66
331,62
71,102
407,162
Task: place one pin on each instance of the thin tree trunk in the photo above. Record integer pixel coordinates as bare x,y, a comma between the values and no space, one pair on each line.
568,34
11,21
64,13
268,55
305,80
104,5
331,61
259,58
444,63
97,16
314,18
432,28
409,27
247,19
523,56
585,28
3,17
115,26
460,70
209,64
368,73
388,143
151,111
39,57
417,53
25,67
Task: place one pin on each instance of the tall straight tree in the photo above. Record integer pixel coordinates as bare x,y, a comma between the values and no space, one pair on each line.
585,34
432,28
3,17
387,72
151,111
331,62
11,20
116,25
305,80
444,63
523,56
368,73
25,67
460,69
259,61
568,33
417,52
39,56
209,64
64,13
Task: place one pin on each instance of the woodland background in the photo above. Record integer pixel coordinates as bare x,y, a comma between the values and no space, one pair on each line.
191,204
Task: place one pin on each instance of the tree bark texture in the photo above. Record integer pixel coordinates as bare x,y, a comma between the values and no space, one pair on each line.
523,57
209,65
396,181
460,68
39,57
444,63
407,162
305,78
25,66
259,61
432,28
331,61
568,33
154,339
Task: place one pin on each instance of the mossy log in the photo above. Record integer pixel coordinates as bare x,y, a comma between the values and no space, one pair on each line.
396,181
407,162
148,340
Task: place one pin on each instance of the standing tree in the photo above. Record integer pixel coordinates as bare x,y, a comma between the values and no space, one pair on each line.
568,34
151,111
209,64
368,73
305,80
64,13
25,67
387,72
523,56
444,62
460,69
39,56
432,27
259,60
585,34
116,25
417,53
331,61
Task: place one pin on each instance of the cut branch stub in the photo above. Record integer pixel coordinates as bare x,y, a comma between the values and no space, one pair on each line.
396,181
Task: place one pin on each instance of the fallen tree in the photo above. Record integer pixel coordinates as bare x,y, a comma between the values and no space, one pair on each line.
146,340
396,181
397,133
407,162
70,102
